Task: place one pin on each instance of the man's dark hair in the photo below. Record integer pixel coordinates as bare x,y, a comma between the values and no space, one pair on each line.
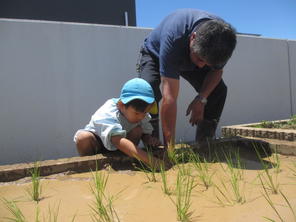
215,41
138,105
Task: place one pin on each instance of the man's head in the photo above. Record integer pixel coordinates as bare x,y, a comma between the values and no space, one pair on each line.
136,99
212,44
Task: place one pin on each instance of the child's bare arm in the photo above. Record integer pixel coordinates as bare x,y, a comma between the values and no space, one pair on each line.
130,149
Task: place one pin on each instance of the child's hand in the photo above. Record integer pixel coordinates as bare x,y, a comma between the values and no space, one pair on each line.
150,140
161,164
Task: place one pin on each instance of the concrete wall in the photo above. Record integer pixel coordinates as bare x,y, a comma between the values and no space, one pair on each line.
53,76
292,65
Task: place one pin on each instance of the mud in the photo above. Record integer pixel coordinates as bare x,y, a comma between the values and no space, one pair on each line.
68,195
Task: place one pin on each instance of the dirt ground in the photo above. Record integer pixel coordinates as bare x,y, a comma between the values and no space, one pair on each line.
136,199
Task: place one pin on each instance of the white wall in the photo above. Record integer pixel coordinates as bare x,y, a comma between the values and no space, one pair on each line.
53,76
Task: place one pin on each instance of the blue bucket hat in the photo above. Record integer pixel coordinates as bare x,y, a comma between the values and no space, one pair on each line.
137,89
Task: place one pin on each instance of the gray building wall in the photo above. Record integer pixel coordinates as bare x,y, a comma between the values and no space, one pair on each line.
110,12
292,69
53,76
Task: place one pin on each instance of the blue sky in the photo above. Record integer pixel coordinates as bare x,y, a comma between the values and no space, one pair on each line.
269,18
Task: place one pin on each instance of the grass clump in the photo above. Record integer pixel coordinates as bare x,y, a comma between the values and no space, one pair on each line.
184,187
103,210
53,213
234,174
35,188
202,167
166,189
273,205
150,170
270,180
17,215
290,124
173,157
276,162
226,197
293,169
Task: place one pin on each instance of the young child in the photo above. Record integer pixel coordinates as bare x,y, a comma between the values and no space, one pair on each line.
121,123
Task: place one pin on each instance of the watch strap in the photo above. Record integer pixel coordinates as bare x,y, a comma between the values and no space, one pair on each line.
202,99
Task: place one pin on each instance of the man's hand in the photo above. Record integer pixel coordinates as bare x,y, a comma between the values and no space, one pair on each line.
196,108
150,140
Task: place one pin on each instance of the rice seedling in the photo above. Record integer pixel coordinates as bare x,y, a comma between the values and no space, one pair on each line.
73,218
202,168
293,168
235,176
53,213
210,148
229,197
272,205
150,170
17,215
236,188
235,195
269,179
165,187
103,206
235,164
290,124
172,156
184,169
37,215
293,211
184,187
35,189
276,162
222,197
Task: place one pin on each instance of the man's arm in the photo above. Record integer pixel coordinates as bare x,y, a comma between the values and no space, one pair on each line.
168,114
196,107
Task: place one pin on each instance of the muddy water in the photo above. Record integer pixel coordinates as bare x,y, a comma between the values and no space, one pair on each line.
138,200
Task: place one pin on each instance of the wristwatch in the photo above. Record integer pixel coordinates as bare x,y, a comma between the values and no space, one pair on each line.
203,100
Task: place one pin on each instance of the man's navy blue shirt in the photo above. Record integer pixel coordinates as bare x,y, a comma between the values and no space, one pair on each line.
169,41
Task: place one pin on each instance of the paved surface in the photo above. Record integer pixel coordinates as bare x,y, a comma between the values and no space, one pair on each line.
76,164
282,141
245,130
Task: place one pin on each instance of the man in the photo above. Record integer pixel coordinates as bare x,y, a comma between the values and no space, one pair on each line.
195,45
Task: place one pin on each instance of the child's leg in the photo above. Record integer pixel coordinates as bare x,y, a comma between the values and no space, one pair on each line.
87,144
135,135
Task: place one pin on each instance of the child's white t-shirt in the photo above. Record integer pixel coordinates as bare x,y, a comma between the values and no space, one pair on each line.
108,121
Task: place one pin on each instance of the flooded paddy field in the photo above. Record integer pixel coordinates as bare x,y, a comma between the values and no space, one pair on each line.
227,184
